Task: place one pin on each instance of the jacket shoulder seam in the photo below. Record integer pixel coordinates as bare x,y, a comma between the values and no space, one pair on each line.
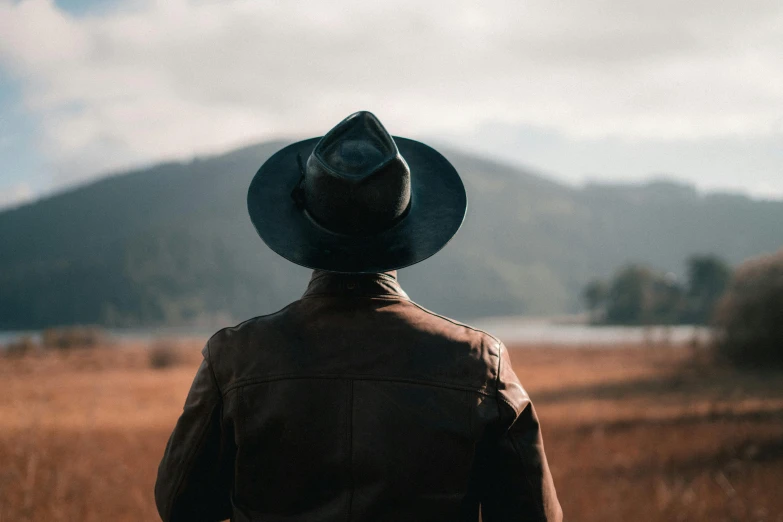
500,396
251,319
457,323
516,410
211,368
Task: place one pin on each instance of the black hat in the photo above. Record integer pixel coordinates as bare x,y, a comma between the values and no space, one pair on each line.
357,200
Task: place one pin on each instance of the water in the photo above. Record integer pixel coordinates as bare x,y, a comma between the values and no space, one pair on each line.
121,334
511,330
517,330
9,337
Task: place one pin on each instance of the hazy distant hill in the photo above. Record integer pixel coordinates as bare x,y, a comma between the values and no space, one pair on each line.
173,244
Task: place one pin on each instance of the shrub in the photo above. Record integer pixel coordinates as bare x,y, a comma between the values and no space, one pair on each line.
163,354
66,338
20,347
749,317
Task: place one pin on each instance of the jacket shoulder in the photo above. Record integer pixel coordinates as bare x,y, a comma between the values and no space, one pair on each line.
465,330
238,335
506,383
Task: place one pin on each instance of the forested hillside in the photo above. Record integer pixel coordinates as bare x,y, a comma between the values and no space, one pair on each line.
172,244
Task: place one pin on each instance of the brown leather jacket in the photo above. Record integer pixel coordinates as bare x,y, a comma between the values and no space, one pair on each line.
354,403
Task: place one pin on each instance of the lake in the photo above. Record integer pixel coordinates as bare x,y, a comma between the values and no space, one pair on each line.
511,330
516,330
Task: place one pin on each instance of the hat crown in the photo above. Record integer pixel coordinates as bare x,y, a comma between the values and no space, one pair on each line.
357,145
356,182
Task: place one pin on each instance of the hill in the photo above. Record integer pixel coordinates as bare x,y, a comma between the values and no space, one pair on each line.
172,244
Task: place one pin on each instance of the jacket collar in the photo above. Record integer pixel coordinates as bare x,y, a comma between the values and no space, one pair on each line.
357,285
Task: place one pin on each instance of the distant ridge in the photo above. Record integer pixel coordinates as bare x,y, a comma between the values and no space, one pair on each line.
172,244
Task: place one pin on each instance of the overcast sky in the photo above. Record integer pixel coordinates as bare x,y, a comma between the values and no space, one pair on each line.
614,90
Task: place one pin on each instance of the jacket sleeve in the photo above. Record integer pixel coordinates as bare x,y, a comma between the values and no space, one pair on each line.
194,476
518,484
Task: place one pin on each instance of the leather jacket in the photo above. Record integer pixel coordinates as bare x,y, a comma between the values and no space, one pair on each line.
355,403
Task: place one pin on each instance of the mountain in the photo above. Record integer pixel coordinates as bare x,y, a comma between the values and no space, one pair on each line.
172,244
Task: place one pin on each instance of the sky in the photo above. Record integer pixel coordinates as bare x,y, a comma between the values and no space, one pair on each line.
607,90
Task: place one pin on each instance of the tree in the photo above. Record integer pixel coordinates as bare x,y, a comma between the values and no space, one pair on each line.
708,276
594,295
626,303
639,295
749,318
666,301
636,295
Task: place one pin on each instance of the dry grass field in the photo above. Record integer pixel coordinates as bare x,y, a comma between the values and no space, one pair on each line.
632,434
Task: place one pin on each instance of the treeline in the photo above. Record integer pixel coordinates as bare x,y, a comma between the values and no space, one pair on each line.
639,295
744,307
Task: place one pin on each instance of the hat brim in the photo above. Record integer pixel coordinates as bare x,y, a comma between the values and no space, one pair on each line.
438,206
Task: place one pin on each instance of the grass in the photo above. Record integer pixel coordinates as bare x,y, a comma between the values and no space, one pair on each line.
631,434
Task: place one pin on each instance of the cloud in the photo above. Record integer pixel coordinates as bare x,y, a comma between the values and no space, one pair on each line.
173,78
15,195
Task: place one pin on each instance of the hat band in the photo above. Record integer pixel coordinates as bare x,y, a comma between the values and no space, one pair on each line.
362,234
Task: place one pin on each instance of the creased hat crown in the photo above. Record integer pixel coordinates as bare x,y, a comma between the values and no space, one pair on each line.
355,181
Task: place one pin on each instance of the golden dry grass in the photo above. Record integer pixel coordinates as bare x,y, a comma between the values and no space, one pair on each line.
631,434
655,435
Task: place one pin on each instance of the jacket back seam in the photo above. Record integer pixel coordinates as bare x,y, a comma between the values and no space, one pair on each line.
356,377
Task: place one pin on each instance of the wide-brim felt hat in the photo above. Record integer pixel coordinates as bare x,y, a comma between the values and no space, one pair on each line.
357,199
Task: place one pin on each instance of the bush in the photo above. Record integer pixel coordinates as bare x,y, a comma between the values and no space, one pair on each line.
67,338
20,347
749,318
163,354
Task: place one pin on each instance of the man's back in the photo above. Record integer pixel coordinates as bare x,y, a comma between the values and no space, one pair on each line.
354,403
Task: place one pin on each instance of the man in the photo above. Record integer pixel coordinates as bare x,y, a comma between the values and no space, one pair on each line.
354,403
